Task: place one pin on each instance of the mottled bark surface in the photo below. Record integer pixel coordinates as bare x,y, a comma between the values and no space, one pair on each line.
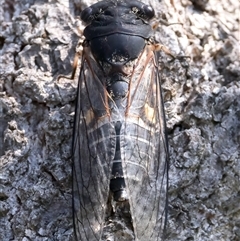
202,100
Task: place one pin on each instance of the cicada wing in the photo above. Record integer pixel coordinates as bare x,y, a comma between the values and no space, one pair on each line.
144,151
93,151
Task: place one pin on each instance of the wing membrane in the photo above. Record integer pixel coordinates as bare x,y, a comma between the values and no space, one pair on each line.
143,146
93,151
144,150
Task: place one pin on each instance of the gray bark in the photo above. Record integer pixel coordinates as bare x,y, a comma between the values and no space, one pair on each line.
202,101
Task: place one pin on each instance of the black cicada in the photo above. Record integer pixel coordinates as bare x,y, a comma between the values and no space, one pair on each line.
120,147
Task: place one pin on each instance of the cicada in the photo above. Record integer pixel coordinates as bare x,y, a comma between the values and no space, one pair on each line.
120,148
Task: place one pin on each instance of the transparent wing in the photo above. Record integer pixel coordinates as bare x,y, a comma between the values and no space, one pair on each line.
144,150
93,151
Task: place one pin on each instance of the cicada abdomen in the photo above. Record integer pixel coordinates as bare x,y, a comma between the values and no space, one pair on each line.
119,146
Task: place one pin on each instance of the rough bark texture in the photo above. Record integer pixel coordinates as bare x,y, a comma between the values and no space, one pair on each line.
202,100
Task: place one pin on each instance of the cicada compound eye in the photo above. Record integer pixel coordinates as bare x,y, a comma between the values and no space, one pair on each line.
87,15
148,12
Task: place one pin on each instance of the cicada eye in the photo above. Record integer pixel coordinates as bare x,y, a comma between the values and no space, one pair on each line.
145,12
148,12
86,15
